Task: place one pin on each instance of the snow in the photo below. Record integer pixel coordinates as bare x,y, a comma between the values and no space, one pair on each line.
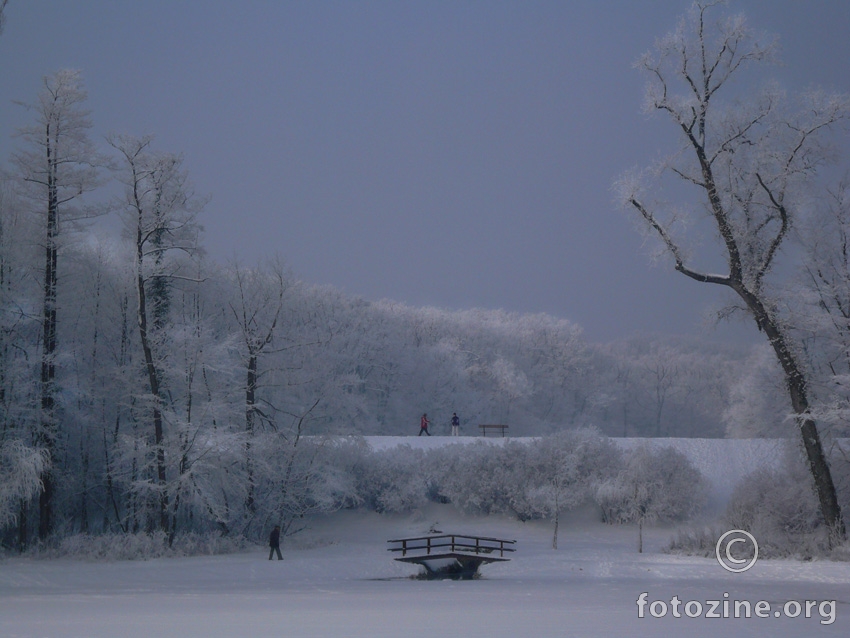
339,580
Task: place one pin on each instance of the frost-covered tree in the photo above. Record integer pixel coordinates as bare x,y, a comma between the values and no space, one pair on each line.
57,165
564,468
18,323
653,385
653,485
257,310
160,212
824,314
746,161
296,477
758,405
21,469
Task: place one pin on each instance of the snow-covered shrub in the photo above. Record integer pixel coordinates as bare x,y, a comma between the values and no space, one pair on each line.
779,508
696,541
393,480
563,470
341,459
484,478
537,478
653,485
140,546
299,476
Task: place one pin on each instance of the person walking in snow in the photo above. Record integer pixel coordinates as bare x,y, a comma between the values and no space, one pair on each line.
423,425
274,543
455,423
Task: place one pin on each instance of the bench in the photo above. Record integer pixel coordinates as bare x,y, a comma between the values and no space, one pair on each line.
500,428
451,555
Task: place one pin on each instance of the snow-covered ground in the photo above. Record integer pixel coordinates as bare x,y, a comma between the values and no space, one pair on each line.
339,580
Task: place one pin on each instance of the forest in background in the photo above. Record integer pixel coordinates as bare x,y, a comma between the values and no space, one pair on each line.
130,362
147,386
142,380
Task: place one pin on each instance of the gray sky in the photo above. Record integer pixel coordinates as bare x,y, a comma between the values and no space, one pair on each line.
456,154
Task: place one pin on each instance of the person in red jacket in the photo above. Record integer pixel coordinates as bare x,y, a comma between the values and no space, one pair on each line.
423,425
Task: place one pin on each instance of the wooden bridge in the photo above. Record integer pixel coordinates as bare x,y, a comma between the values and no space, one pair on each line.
451,555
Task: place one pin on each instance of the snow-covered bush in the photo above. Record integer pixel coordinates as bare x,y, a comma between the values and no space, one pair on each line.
393,480
299,476
484,478
527,479
563,470
696,541
537,478
779,507
653,485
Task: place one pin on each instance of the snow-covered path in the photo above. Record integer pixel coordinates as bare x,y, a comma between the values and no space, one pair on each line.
346,584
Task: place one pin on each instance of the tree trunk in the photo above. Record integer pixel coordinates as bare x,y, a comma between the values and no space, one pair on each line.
555,535
23,523
153,382
640,535
797,389
47,436
250,413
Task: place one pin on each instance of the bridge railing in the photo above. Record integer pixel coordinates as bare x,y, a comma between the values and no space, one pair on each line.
452,544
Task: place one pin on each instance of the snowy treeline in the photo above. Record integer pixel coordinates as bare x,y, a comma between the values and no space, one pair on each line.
146,386
538,478
533,372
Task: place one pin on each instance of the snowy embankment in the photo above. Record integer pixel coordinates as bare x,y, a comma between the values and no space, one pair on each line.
724,462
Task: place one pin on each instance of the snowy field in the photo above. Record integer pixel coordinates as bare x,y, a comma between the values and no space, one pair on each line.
339,580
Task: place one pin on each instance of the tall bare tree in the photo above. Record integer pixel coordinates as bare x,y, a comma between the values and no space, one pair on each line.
58,165
747,162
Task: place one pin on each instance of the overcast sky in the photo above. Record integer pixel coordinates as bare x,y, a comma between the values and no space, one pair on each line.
455,154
